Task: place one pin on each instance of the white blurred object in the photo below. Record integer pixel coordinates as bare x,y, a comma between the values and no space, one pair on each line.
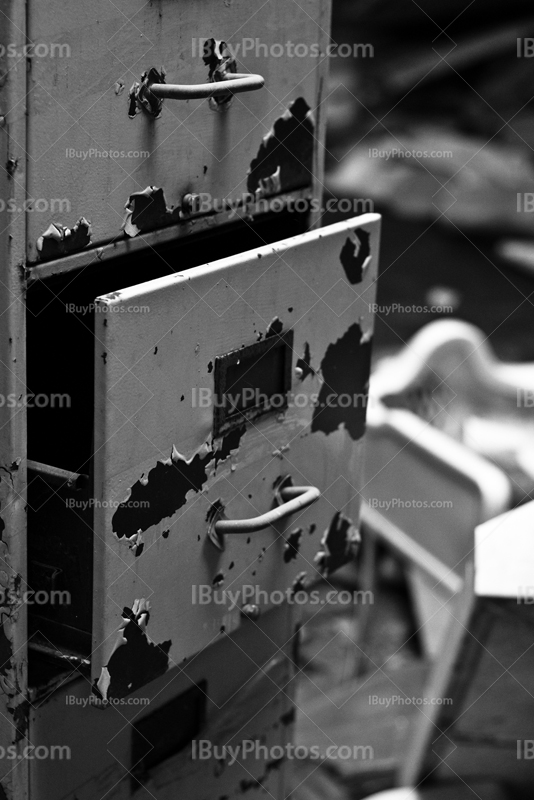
475,789
443,296
440,412
518,252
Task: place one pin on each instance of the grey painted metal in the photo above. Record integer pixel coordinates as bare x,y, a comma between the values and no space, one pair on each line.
152,368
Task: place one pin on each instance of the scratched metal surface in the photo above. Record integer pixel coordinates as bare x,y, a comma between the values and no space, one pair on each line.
320,285
13,479
80,101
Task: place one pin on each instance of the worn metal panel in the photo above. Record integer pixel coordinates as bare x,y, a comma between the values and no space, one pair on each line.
13,675
246,678
78,99
154,444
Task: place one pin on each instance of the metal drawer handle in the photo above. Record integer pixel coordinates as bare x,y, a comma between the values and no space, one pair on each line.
233,82
294,497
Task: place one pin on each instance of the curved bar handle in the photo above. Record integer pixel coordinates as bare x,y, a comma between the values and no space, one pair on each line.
294,497
233,82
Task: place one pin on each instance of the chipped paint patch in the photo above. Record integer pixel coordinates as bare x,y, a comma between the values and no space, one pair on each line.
58,240
135,660
220,62
339,544
146,211
345,370
355,257
300,583
285,157
291,547
275,328
303,367
289,717
140,98
218,579
164,490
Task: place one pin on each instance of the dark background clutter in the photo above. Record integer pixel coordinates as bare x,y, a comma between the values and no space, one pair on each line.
442,77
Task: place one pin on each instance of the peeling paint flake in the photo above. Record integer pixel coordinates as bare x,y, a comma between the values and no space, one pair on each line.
345,371
275,328
339,544
303,367
135,660
141,99
146,211
300,583
291,547
59,240
164,490
355,257
285,157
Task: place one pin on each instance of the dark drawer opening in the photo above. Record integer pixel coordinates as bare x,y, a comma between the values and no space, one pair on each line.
60,413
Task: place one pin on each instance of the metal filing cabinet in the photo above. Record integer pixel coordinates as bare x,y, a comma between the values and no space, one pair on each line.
151,305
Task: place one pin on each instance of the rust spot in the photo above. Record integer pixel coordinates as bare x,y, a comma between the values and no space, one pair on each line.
285,157
355,257
339,544
135,660
59,240
345,371
291,547
146,211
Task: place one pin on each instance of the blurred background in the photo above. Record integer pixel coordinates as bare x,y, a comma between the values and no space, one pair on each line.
431,124
444,78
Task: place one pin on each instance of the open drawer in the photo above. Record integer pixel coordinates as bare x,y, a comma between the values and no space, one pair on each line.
223,393
212,386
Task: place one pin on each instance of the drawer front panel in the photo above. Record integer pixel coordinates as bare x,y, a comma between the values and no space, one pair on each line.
78,106
168,462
